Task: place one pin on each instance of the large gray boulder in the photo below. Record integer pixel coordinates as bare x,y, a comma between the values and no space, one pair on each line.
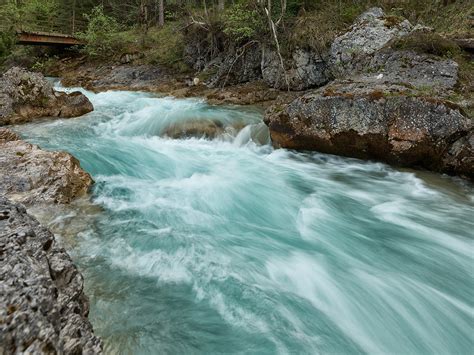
25,96
31,175
305,69
370,32
44,309
433,75
371,120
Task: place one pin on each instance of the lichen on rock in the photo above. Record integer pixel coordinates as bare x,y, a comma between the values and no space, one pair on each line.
369,33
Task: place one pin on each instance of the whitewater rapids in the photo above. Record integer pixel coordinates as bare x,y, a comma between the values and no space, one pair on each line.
226,245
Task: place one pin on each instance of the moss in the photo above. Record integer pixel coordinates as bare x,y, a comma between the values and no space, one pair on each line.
428,43
207,74
392,21
330,92
376,95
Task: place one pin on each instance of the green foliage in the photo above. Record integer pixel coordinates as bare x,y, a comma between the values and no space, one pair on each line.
165,47
38,13
242,23
7,40
9,15
293,7
101,33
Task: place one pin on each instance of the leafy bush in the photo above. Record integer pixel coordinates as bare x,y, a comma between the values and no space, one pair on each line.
101,33
7,40
39,14
242,23
166,46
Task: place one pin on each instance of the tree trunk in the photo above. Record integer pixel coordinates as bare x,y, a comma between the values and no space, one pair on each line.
221,5
161,13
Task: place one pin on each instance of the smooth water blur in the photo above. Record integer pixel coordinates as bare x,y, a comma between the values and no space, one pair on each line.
227,246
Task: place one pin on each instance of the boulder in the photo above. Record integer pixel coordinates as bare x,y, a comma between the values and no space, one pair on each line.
25,96
203,128
198,129
428,73
44,309
371,120
31,175
306,69
370,32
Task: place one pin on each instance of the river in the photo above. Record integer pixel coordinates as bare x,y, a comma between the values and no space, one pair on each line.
226,245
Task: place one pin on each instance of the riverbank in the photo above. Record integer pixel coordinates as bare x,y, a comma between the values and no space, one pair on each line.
45,309
405,99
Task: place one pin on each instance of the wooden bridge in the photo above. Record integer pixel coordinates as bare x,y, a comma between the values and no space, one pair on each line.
47,39
57,32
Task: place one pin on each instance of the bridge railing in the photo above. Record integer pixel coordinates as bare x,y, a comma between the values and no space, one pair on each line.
67,27
60,25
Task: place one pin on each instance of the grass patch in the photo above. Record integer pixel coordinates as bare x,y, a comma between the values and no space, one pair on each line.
165,46
427,43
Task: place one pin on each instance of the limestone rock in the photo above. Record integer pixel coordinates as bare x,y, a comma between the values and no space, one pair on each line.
25,96
306,69
428,73
370,32
377,121
31,175
238,67
204,128
44,309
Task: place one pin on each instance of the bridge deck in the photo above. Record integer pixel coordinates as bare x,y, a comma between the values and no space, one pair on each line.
47,39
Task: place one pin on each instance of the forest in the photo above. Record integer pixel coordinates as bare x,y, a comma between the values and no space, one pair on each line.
159,29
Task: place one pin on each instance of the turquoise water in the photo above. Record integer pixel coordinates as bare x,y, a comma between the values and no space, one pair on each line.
228,246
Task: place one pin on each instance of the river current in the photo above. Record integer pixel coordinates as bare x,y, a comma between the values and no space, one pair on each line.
227,245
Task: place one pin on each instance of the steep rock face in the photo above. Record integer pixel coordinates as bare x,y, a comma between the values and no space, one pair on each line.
25,96
377,122
306,69
370,32
44,309
238,67
31,175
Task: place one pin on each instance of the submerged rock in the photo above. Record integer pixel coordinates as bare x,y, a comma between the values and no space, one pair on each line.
203,128
44,309
25,96
30,175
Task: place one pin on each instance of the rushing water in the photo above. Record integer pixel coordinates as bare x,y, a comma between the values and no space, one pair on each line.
227,246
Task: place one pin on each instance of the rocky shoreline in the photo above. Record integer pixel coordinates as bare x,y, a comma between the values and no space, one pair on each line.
45,309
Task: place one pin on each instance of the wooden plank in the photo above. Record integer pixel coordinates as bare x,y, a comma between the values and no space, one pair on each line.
42,38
